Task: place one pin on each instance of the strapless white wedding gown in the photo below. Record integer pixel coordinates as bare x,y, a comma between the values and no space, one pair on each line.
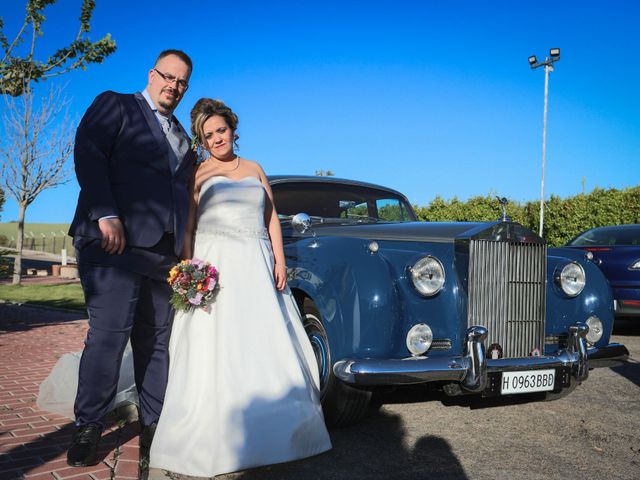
243,381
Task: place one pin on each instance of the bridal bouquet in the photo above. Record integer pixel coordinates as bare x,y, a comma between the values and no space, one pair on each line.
193,283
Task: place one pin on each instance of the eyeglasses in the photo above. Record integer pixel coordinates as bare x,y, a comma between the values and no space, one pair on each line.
181,84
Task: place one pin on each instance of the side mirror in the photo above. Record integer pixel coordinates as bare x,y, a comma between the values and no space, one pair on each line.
301,222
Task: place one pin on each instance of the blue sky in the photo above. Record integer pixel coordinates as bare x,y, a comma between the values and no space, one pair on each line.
428,97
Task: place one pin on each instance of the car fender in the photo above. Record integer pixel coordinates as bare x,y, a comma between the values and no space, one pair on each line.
353,291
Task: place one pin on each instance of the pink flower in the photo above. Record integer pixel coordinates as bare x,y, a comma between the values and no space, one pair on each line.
196,300
197,262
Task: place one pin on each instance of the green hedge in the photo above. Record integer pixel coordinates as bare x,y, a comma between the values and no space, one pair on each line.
563,218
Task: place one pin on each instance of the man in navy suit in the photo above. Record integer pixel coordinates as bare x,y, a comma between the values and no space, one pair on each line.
133,164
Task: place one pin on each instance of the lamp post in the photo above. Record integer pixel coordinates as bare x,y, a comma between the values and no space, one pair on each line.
554,56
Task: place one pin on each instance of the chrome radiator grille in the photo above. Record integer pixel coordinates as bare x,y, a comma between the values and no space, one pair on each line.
507,294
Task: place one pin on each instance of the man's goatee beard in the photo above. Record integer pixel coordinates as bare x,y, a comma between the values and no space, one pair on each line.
168,106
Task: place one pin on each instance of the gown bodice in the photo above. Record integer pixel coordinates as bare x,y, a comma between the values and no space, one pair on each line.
227,206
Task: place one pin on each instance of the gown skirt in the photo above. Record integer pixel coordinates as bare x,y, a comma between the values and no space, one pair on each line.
243,387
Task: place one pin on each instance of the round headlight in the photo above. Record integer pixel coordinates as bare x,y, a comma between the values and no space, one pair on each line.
427,276
419,339
595,329
572,279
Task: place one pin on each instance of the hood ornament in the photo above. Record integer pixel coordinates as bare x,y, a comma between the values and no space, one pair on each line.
503,203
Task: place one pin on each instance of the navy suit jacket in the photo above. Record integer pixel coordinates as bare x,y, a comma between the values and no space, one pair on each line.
122,163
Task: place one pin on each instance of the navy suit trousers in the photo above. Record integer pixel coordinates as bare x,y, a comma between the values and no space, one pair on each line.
127,297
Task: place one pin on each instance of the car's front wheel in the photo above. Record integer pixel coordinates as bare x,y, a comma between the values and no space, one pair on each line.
342,404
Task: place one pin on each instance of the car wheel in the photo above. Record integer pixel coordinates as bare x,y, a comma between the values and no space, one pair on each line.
342,404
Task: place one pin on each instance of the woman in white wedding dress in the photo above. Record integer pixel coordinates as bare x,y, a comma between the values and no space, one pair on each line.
243,382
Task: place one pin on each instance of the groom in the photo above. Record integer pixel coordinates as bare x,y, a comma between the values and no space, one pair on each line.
134,164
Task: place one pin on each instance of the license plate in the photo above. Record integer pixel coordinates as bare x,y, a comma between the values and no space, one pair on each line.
529,381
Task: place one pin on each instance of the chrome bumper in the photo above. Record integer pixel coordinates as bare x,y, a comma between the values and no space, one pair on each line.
472,368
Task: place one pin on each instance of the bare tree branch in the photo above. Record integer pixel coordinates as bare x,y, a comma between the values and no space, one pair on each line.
9,48
35,150
37,144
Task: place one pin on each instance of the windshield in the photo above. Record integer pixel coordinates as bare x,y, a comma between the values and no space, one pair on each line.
339,201
608,236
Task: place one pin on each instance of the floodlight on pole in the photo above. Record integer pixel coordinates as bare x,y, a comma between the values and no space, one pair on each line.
554,56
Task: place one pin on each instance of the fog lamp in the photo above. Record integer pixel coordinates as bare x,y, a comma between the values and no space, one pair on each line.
595,329
419,339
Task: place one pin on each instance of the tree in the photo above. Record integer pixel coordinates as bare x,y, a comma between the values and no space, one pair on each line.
17,72
36,145
35,150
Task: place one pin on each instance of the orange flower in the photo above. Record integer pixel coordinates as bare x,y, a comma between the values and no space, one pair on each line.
173,273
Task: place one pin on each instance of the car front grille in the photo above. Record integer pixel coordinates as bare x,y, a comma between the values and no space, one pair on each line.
507,294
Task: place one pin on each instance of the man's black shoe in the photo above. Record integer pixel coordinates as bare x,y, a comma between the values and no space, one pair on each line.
146,438
83,448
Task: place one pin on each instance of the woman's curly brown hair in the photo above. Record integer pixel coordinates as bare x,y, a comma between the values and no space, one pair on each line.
206,108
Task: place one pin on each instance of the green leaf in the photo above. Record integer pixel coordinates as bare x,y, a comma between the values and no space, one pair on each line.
85,14
17,73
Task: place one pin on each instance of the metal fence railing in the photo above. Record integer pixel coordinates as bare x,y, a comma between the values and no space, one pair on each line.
51,243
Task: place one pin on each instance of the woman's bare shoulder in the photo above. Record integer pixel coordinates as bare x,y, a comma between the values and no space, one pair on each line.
250,163
203,171
255,166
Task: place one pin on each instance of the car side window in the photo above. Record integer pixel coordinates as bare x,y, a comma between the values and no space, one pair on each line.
391,209
352,209
339,201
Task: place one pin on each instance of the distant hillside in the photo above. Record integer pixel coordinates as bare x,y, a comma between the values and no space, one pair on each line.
53,240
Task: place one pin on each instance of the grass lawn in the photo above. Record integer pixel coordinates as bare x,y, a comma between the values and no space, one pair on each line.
68,296
11,228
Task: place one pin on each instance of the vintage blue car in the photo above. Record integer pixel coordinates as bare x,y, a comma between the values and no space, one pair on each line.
616,250
474,308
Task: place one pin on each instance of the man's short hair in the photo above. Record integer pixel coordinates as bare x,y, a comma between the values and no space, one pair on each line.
178,53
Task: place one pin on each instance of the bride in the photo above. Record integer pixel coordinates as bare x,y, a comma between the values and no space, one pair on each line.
243,382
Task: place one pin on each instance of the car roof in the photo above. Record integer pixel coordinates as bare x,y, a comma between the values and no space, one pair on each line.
615,228
621,233
275,179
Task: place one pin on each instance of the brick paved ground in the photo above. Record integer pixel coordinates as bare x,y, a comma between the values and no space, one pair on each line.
33,442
